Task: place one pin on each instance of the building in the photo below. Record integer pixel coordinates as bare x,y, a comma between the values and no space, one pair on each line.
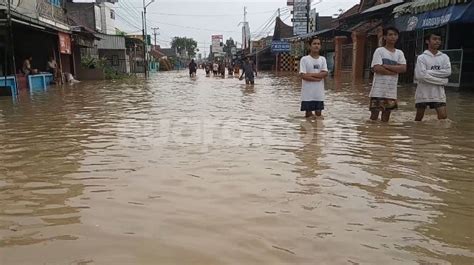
112,50
324,28
364,22
108,46
135,51
264,58
284,61
67,30
98,15
414,19
43,21
450,19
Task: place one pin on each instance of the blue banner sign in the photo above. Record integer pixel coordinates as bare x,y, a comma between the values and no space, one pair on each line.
280,46
432,19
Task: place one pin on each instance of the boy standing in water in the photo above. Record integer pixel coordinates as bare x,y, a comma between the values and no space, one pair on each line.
387,63
313,71
431,73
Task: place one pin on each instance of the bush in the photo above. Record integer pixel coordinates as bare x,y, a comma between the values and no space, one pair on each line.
111,73
92,63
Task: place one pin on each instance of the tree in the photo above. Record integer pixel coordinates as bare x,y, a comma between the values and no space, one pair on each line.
229,44
120,33
182,44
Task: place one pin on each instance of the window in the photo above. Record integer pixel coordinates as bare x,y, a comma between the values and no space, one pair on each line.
55,2
112,14
115,60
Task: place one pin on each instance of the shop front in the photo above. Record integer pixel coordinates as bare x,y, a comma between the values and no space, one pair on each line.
37,42
452,23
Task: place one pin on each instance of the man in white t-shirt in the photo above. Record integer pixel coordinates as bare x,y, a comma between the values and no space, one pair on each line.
431,74
387,63
313,71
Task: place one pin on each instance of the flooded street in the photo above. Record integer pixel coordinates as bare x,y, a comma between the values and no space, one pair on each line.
209,171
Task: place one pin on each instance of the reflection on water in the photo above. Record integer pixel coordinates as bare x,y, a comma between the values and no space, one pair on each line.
210,171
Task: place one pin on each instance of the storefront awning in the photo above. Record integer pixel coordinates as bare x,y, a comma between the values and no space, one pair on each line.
437,18
382,6
421,6
40,23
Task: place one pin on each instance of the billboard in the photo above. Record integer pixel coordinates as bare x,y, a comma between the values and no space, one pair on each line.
216,44
300,20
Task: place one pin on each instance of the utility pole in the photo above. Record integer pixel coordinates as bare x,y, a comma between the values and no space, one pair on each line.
245,14
144,45
155,33
9,47
245,28
145,39
145,36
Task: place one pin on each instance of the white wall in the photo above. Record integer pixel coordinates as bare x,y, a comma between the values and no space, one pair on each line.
27,8
98,20
108,23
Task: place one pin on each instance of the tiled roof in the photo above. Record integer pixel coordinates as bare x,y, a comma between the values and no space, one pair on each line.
282,30
420,6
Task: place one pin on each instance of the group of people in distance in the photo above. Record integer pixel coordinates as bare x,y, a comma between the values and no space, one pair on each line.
249,71
431,74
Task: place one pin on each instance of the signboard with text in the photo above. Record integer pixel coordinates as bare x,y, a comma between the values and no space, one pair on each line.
216,43
280,46
64,43
300,19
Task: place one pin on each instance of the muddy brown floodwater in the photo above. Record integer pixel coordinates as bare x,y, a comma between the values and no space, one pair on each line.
209,171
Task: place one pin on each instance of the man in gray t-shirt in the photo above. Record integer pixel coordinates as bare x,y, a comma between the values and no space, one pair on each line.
248,70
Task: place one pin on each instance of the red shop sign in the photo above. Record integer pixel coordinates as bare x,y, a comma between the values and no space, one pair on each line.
64,43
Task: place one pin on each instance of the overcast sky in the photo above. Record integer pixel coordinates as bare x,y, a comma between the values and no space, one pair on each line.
199,19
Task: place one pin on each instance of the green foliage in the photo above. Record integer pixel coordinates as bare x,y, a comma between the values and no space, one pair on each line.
112,74
229,44
182,44
92,62
118,32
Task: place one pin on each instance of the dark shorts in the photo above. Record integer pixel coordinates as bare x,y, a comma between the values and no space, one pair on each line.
192,71
250,79
432,105
383,104
312,105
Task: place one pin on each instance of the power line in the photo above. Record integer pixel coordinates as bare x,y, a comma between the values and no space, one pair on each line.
128,22
268,27
269,22
195,28
194,15
131,23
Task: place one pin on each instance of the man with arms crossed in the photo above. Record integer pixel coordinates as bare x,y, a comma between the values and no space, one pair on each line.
431,73
387,63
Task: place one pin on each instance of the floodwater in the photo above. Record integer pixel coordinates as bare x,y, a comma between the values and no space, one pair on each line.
209,171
